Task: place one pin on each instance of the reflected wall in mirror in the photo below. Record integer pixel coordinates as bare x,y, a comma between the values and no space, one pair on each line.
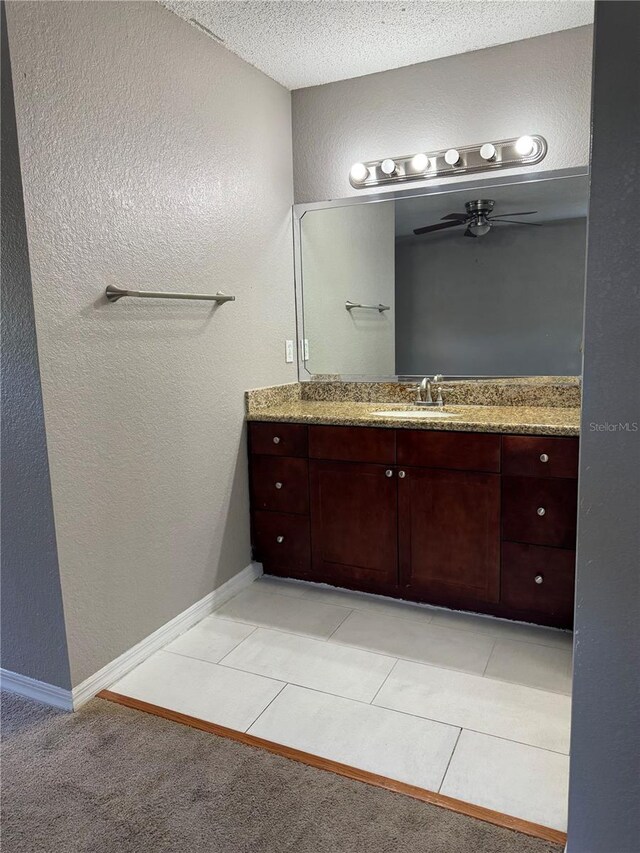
505,303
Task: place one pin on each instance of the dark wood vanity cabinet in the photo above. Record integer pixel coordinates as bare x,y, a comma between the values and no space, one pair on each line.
354,524
449,534
474,521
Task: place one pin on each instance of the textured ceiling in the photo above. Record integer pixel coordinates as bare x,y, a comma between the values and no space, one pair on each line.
310,42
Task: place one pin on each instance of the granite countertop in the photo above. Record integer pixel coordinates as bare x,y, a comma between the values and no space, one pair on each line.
525,420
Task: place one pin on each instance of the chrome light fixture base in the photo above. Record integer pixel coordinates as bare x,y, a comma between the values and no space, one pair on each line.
507,154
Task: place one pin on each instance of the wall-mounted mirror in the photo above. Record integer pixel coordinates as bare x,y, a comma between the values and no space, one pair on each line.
493,285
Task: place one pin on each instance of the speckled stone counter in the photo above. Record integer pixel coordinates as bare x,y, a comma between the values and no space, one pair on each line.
523,420
528,406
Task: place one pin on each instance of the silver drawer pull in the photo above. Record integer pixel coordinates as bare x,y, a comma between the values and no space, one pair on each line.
544,457
279,539
402,474
276,439
538,579
541,510
388,473
278,485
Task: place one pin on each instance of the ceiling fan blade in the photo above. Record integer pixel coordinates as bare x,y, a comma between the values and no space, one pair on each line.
516,222
428,228
521,213
469,233
461,216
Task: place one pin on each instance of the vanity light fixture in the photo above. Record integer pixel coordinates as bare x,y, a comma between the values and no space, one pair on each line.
419,163
505,154
452,157
525,145
488,151
358,173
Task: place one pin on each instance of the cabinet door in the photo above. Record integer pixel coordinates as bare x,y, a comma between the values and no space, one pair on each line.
449,534
354,533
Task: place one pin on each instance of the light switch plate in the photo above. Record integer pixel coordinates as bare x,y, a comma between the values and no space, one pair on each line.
288,351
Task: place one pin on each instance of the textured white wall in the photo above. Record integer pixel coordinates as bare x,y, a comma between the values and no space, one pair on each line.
153,159
358,341
539,85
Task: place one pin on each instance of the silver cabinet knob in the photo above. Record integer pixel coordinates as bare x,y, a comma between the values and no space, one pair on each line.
541,510
276,439
402,474
279,539
388,473
538,579
278,485
544,457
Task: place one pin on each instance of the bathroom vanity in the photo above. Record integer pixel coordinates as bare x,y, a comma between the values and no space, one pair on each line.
472,506
480,521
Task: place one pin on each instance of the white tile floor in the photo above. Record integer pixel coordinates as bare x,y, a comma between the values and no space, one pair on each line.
470,706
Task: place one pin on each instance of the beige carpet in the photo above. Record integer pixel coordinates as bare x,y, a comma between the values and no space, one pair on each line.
111,780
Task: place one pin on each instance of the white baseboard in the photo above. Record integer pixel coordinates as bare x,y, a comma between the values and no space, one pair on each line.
119,667
31,688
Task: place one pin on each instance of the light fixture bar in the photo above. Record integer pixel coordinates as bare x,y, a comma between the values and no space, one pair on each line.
423,166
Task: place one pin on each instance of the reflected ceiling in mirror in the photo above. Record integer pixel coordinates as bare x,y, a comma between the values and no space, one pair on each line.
491,285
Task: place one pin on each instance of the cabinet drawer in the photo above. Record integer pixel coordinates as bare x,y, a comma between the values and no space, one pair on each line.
280,484
539,511
537,579
352,444
537,456
276,439
466,451
282,543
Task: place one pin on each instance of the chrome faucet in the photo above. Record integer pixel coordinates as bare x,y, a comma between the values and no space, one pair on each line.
425,397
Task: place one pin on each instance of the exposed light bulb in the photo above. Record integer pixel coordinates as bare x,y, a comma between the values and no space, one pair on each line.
525,146
420,163
452,157
359,173
488,151
388,166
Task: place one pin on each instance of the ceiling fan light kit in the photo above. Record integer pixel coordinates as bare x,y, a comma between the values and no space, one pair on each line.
478,218
520,151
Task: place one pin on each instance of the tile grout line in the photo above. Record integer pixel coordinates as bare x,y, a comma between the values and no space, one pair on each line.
268,705
207,660
486,666
446,770
339,626
384,681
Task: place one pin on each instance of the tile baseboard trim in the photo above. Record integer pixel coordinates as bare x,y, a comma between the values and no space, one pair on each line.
123,664
469,809
41,691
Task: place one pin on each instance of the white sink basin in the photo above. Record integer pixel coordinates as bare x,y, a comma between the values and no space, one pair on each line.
415,413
